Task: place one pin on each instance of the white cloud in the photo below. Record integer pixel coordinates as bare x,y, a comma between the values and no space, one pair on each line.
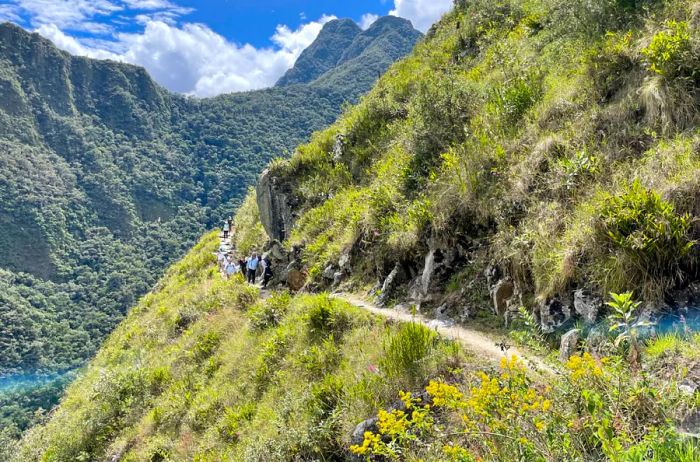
367,20
195,60
422,13
69,14
72,45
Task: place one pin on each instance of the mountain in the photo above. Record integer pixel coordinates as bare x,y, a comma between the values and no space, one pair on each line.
323,54
105,179
343,55
527,158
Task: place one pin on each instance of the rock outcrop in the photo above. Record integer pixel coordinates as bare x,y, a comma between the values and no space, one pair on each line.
569,343
587,305
276,204
553,313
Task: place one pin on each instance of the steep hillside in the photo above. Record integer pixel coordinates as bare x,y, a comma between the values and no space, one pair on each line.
538,154
106,178
203,370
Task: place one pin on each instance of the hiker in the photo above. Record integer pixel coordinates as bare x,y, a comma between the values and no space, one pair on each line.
267,271
241,267
230,267
252,265
221,259
226,229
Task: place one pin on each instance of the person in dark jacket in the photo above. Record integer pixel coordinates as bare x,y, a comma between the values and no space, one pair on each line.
267,271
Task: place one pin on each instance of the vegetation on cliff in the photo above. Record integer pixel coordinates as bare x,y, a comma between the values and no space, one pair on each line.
554,140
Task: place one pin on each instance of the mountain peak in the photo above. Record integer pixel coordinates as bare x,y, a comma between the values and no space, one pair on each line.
323,54
341,40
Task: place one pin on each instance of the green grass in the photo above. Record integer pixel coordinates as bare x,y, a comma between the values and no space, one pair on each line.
203,370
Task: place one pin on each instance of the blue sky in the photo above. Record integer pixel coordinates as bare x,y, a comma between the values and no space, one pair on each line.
203,47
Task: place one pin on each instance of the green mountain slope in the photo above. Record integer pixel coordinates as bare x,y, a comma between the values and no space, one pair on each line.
203,370
343,56
542,154
106,178
516,127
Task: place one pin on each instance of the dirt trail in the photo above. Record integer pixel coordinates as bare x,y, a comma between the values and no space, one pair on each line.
475,341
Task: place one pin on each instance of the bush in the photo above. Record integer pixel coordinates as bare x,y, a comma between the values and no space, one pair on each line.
670,52
327,318
645,240
405,350
594,414
269,313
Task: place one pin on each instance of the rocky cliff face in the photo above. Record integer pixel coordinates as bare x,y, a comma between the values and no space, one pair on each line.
276,203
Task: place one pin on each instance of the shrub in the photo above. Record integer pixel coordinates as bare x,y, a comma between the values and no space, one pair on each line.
405,350
593,414
320,360
510,102
645,240
269,313
206,345
327,395
670,52
626,324
326,317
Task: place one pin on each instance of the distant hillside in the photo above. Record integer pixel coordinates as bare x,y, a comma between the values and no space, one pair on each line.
345,56
106,178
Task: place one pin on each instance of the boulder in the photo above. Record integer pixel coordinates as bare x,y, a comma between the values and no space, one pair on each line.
338,277
344,263
686,298
690,425
428,270
329,273
501,293
587,306
553,313
689,386
276,204
390,284
296,279
276,251
569,344
358,435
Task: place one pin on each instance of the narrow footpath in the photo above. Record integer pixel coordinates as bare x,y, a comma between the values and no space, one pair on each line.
473,340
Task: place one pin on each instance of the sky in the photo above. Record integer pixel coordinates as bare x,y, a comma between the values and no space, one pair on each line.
203,47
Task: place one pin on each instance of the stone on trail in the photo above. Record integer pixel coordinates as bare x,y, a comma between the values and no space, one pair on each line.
569,344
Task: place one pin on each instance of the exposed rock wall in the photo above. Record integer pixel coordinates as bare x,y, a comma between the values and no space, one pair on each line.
276,204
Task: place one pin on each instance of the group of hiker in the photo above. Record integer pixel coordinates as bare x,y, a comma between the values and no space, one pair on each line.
247,267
